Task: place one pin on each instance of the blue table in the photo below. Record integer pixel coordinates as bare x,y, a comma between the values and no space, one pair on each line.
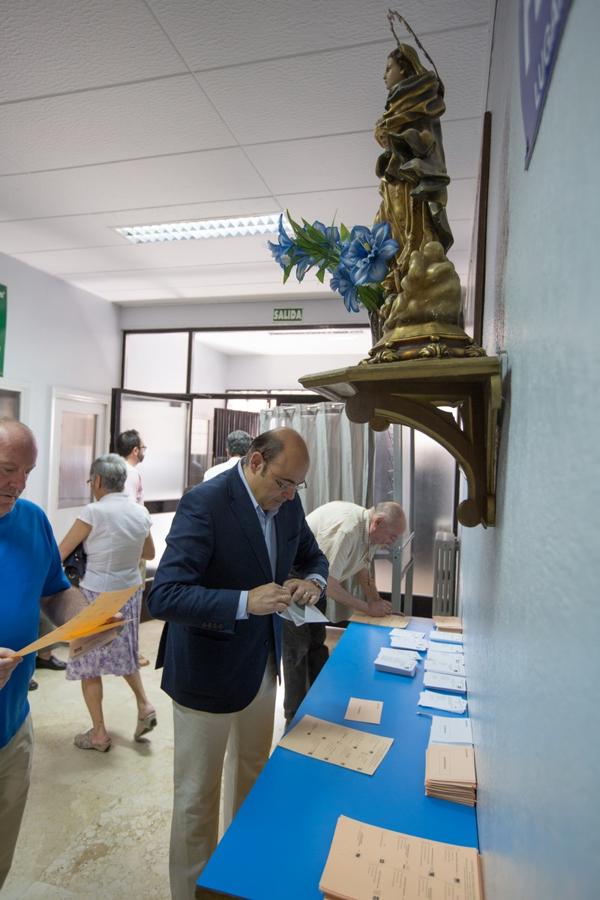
277,844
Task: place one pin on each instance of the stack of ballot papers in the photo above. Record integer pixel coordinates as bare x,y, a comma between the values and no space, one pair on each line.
440,682
445,702
448,623
439,647
366,861
408,640
445,730
398,662
446,637
445,663
450,773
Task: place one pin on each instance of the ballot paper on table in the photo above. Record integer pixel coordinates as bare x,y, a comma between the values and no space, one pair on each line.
91,620
450,731
302,615
445,702
448,623
397,632
439,682
366,861
337,744
408,640
359,710
439,647
446,637
392,621
444,663
397,662
450,773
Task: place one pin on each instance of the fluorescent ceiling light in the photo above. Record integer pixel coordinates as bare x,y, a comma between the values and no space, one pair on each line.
204,228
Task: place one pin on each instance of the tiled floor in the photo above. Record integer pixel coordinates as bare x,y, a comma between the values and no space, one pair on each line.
97,824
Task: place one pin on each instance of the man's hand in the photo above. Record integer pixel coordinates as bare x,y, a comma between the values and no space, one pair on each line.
379,607
8,663
304,593
267,599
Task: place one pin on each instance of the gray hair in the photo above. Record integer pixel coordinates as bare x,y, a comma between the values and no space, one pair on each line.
112,470
238,443
389,509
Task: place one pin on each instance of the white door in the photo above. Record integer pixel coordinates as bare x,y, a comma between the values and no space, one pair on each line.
79,435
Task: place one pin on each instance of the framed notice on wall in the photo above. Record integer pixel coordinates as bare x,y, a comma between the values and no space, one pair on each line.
541,26
2,326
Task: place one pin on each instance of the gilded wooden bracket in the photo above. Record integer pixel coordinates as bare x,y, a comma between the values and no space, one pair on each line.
455,401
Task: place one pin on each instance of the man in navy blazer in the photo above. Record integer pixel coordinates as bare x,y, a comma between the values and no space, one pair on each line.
225,573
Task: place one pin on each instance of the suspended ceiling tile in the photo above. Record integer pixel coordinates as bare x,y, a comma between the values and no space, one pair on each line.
113,124
76,44
253,31
317,164
168,180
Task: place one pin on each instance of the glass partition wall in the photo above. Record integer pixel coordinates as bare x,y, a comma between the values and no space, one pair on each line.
183,388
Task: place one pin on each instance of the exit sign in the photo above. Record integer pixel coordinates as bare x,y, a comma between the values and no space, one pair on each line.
287,315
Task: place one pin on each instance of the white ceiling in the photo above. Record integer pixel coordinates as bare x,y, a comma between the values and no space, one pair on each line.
121,112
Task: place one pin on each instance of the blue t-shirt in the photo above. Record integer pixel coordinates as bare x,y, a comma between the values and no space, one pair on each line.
30,568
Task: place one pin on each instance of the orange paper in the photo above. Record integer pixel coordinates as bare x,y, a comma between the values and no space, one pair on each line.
91,620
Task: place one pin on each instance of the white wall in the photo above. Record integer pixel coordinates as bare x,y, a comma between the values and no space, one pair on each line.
57,336
209,369
273,372
328,311
530,585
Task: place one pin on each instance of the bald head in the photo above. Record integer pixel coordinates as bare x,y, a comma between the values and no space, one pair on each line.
18,454
387,523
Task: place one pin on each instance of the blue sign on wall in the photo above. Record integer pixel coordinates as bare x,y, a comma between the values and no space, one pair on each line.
541,24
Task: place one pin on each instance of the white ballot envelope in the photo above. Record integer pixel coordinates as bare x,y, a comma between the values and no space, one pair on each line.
302,615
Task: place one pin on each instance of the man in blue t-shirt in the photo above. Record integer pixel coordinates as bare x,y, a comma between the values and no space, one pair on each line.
31,574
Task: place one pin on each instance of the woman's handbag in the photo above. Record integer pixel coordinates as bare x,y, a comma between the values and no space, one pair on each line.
74,565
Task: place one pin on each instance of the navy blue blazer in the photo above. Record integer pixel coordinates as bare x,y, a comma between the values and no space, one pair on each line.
215,549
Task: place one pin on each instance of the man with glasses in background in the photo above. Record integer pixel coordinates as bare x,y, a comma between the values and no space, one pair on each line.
130,446
349,535
222,579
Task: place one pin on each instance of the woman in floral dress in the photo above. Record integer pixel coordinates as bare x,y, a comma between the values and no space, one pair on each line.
116,534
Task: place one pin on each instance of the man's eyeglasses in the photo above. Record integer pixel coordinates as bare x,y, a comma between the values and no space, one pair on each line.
285,485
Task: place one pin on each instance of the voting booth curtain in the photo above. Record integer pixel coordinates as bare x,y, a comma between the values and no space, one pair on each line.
341,452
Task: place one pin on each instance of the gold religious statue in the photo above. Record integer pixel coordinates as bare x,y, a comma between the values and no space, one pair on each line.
422,309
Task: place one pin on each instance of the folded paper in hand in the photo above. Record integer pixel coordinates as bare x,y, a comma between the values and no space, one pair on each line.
91,620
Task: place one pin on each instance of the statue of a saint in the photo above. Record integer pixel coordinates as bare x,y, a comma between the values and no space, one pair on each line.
412,167
422,290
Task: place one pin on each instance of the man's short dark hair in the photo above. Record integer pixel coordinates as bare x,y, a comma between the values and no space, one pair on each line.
128,441
268,444
238,443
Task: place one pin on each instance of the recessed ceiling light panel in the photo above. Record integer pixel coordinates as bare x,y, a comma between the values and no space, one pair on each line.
202,229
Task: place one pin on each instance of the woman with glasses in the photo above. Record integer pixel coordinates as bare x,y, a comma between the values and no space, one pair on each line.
116,534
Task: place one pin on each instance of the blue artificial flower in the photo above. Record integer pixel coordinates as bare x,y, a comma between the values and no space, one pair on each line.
331,233
367,253
283,251
303,263
343,284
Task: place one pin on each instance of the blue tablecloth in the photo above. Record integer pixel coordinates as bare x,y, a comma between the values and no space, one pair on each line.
277,845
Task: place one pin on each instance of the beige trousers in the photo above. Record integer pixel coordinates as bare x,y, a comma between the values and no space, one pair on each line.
203,742
15,770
